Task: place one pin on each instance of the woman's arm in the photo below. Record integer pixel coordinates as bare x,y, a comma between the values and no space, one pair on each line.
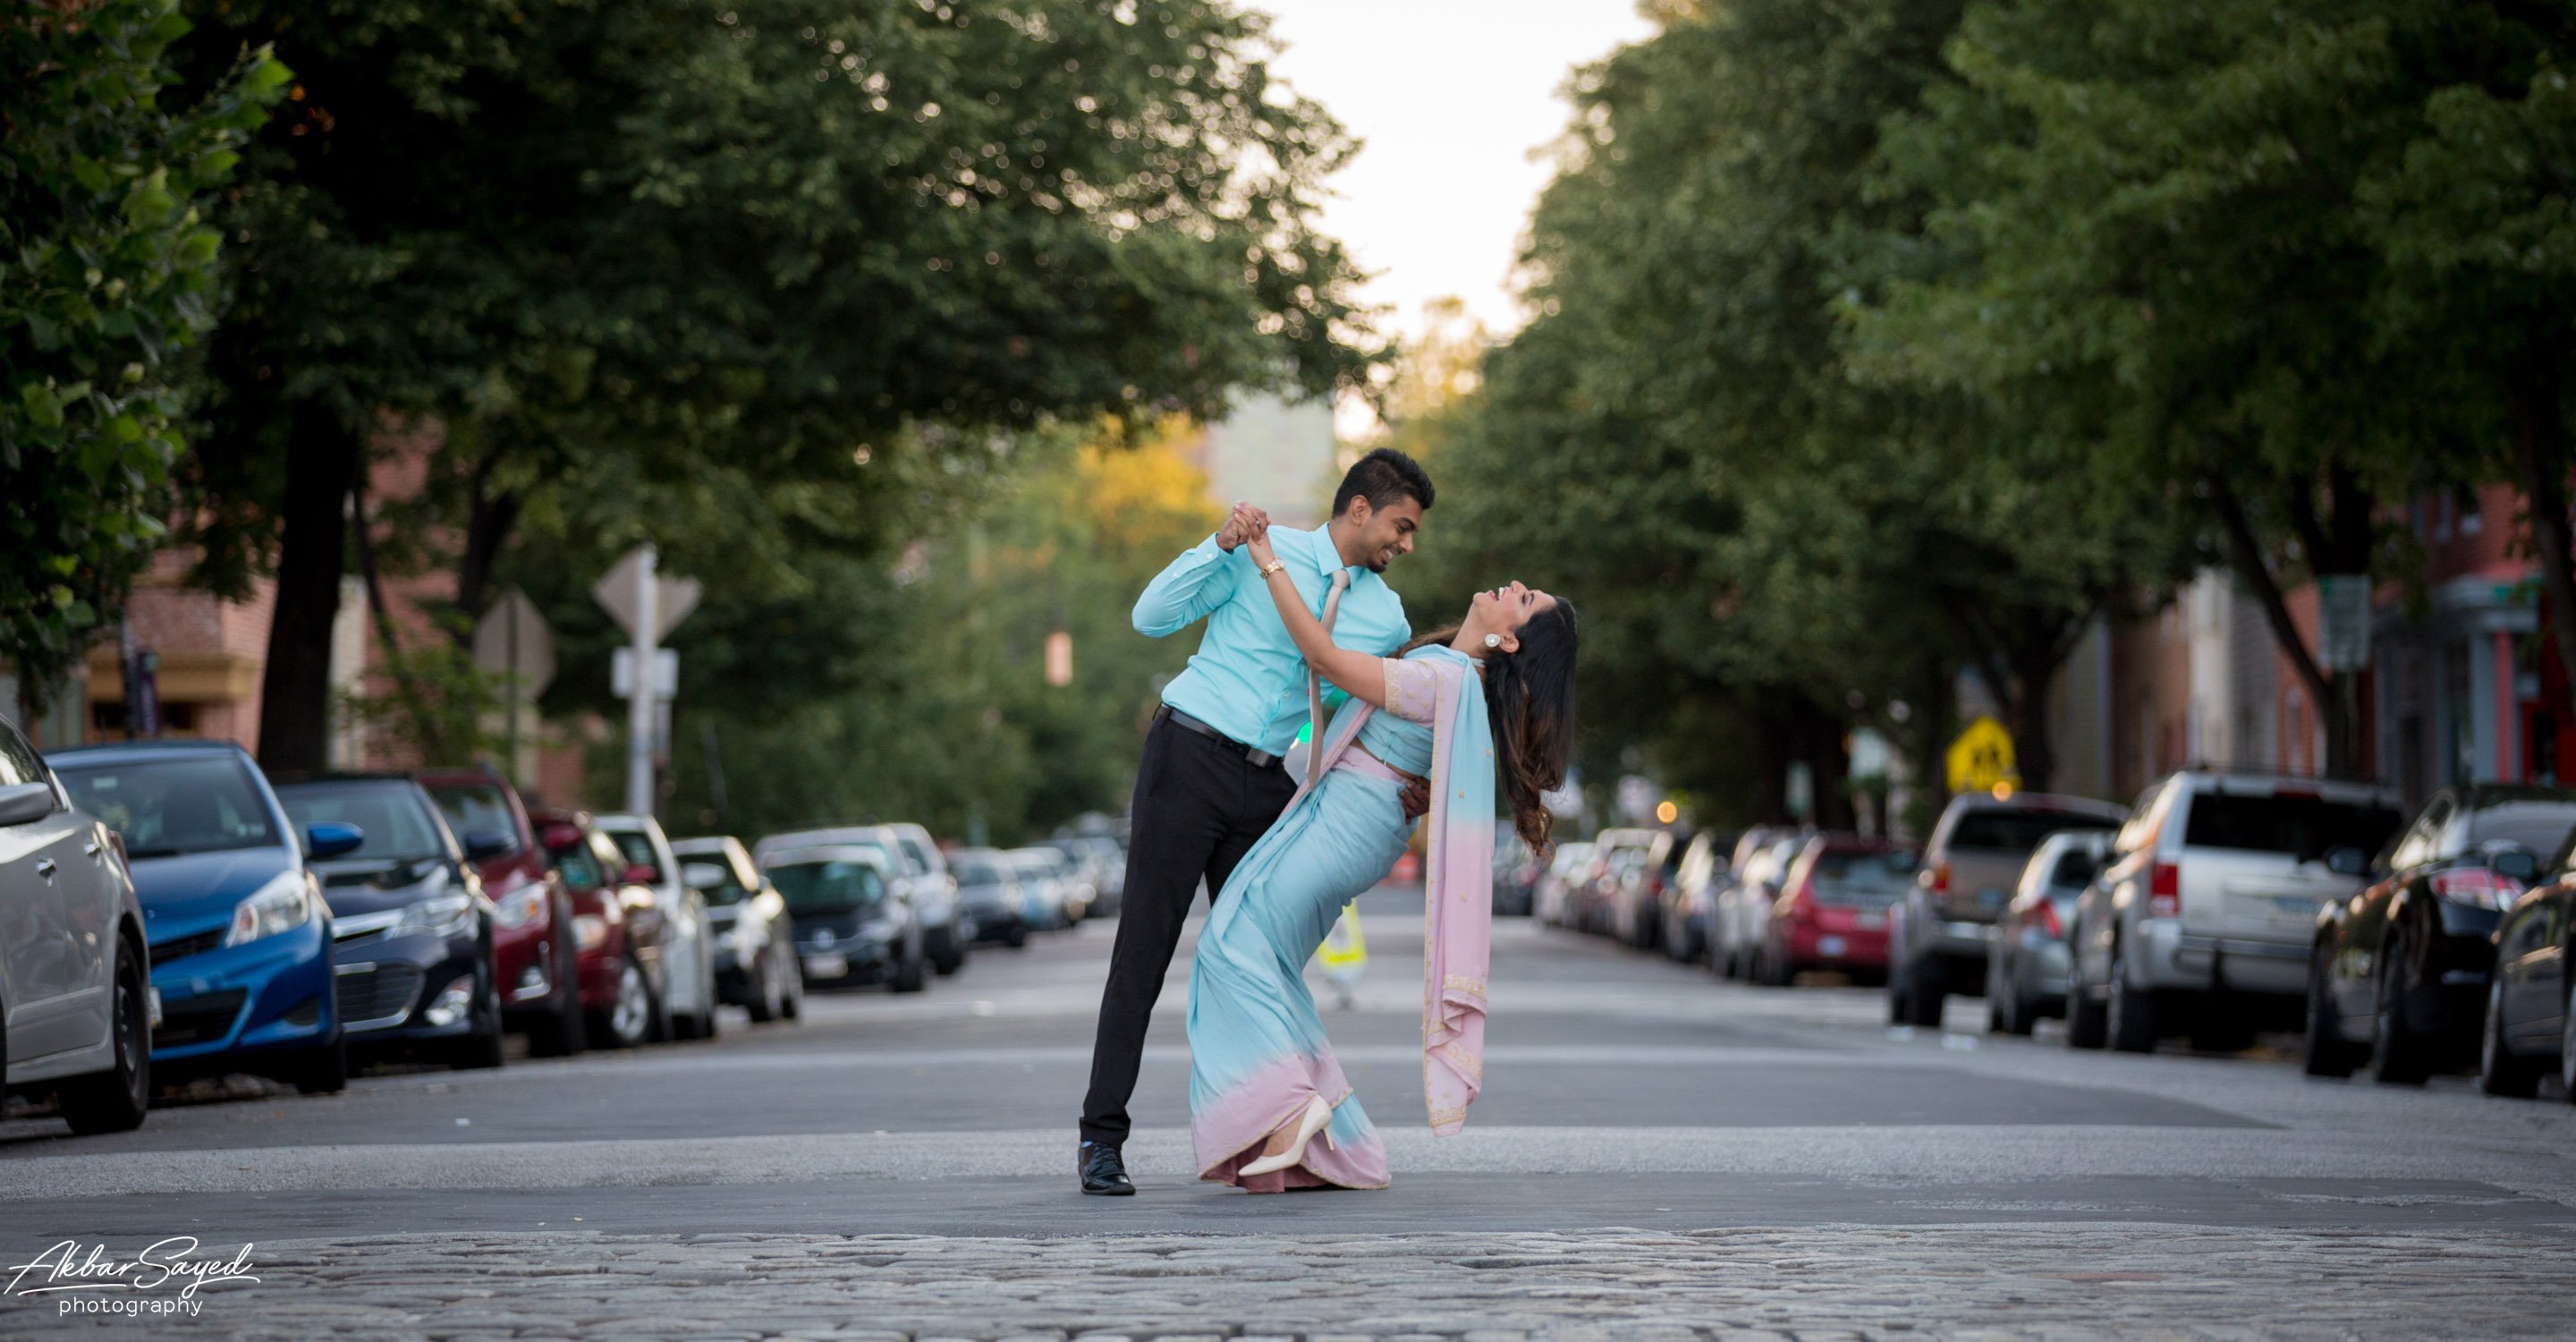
1361,674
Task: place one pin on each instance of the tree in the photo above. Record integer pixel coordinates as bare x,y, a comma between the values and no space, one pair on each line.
816,261
107,278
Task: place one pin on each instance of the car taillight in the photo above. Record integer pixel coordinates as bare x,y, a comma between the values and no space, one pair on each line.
2164,891
1940,878
2475,886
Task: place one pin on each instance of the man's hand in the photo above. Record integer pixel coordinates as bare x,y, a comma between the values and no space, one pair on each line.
1417,799
1244,523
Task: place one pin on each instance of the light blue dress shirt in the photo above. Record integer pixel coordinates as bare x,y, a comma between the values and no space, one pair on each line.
1247,680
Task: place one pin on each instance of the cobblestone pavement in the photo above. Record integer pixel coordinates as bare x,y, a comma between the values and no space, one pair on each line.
1656,1156
1998,1281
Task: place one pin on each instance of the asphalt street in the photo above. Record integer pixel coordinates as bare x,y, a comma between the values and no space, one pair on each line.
1655,1151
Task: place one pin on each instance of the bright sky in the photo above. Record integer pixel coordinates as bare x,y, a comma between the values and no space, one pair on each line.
1449,98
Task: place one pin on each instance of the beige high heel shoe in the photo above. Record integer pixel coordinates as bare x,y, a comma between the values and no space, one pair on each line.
1317,1120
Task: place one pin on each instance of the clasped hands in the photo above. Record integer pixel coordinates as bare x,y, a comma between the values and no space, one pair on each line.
1248,525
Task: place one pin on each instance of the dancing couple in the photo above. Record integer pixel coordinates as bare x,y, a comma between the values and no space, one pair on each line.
1427,726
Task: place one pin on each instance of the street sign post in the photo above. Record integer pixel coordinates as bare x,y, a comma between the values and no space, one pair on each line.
647,606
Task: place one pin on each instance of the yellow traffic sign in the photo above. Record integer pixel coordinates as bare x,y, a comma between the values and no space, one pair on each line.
1982,758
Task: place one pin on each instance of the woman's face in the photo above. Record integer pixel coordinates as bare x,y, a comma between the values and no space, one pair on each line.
1503,610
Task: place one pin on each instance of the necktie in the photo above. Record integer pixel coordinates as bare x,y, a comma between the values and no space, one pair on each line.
1314,682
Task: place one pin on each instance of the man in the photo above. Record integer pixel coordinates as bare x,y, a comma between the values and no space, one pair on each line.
1210,781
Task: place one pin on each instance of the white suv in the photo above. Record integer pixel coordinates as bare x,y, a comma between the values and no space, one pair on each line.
2206,909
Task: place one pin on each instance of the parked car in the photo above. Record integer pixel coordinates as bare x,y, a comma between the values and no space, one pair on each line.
76,1003
411,927
2399,972
1937,935
1052,896
920,875
533,950
2531,998
747,919
1832,909
1516,874
235,922
689,954
988,894
852,925
1690,898
2027,956
2205,915
618,930
1744,908
1632,903
1555,886
1102,865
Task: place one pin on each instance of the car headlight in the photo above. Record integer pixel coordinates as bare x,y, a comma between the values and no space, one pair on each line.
437,916
589,930
520,907
285,903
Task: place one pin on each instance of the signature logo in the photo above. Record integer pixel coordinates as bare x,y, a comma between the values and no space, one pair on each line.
97,1282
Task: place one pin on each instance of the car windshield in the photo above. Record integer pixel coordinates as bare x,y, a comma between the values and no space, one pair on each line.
476,808
2018,829
726,888
2539,826
638,848
163,808
1863,878
397,826
2301,826
977,871
2074,867
827,887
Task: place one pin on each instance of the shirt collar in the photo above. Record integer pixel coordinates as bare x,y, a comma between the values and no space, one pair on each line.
1328,559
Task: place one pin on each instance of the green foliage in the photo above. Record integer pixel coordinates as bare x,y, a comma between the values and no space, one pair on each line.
433,703
107,277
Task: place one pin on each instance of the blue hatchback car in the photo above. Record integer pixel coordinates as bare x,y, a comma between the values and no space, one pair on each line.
240,936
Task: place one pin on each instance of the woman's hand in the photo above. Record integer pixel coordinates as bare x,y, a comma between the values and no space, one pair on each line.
1258,546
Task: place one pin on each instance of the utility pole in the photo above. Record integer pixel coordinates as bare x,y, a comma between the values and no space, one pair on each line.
639,707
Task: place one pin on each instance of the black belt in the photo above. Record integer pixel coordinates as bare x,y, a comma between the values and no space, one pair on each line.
1259,759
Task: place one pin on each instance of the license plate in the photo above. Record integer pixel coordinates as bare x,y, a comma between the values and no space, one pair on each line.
1869,920
1829,945
831,966
2297,906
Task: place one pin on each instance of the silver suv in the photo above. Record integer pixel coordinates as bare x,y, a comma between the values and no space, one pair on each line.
1936,940
921,880
2205,912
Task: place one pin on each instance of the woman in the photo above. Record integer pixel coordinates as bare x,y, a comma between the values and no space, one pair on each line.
1269,1110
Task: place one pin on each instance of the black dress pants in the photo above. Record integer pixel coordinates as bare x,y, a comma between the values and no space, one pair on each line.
1198,808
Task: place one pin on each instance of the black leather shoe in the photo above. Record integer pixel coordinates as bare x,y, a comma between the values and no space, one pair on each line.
1104,1172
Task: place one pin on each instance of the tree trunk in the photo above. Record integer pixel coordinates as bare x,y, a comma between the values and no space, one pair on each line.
2337,706
2035,662
489,520
322,460
2540,457
1819,736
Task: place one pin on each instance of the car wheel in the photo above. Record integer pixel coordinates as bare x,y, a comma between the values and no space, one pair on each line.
482,1049
791,988
1900,1000
762,1005
2131,1013
115,1100
2567,1048
562,1031
326,1071
911,974
947,953
1925,995
2324,1052
2501,1071
2396,1053
629,1018
2087,1022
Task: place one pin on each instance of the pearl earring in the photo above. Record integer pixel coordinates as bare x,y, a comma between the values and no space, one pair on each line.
1493,640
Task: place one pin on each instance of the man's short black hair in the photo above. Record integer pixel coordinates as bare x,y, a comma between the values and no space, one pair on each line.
1382,477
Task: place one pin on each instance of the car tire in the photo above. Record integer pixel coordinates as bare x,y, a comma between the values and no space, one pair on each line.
947,953
2501,1071
116,1100
911,974
325,1071
2007,1011
2324,1051
1900,1001
1924,993
762,1002
2397,1053
628,1021
562,1031
2129,1018
482,1050
2088,1024
2567,1046
791,989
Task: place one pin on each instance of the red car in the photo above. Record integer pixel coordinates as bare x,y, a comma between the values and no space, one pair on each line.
532,931
617,927
1832,913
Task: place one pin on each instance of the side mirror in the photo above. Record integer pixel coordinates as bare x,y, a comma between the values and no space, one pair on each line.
2517,864
2347,860
485,844
326,839
25,803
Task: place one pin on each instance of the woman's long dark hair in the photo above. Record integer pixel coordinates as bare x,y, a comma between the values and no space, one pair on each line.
1529,695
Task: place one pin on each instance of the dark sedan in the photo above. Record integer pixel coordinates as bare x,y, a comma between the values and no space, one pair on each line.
988,890
2531,999
851,927
411,928
2399,974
